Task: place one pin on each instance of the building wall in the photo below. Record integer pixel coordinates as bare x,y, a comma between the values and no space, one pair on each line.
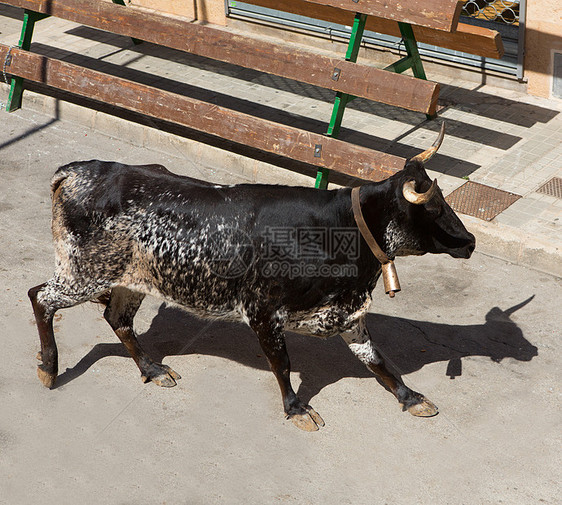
211,11
543,37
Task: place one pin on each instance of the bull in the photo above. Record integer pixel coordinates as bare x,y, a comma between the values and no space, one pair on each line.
122,232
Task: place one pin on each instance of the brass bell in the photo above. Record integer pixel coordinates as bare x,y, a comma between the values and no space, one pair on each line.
390,279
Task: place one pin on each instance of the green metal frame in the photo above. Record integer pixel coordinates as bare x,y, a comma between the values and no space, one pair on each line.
412,60
16,86
29,20
342,99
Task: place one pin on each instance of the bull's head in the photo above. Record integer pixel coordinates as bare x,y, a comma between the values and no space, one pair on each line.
417,220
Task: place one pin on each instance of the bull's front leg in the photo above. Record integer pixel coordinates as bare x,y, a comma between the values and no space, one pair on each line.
272,340
360,343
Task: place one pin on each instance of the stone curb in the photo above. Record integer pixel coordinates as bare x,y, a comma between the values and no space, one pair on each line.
514,245
492,238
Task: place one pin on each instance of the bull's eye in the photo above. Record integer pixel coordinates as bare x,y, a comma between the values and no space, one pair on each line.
434,210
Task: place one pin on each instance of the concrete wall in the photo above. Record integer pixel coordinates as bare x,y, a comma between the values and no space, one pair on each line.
543,38
211,11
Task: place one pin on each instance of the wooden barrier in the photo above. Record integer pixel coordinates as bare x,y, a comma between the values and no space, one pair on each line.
219,44
467,38
346,77
242,128
436,14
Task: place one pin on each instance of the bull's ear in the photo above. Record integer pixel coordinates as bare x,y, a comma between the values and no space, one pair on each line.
412,196
427,155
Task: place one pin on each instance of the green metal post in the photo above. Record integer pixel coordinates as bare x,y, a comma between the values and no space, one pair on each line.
413,59
412,49
413,54
342,99
16,86
355,37
322,176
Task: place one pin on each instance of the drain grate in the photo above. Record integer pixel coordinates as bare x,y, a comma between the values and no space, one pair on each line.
480,201
552,187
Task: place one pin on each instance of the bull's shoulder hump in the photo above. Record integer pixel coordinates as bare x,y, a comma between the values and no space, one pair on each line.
93,170
106,170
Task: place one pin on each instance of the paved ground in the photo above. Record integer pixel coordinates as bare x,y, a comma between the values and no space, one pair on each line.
478,337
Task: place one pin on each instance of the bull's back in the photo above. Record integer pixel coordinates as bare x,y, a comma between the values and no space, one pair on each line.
144,226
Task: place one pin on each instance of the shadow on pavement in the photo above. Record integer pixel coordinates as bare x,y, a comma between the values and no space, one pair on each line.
406,344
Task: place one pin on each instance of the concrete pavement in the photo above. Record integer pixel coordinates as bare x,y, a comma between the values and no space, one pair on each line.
478,337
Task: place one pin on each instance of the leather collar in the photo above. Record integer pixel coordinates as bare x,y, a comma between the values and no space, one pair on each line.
390,277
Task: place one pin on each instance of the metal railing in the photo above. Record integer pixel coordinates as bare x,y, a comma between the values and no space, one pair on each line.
505,16
500,11
478,14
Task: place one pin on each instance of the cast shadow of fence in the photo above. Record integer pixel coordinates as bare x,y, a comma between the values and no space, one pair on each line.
406,344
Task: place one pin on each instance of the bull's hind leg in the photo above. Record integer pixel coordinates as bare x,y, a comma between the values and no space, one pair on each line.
272,340
46,299
360,344
119,313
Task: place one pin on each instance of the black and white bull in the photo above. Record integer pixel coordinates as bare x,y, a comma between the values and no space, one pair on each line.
122,232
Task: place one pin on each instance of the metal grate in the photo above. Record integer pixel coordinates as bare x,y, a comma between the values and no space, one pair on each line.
500,11
552,188
480,201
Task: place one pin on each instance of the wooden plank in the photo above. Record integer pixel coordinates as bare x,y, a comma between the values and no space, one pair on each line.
219,44
235,126
436,14
467,38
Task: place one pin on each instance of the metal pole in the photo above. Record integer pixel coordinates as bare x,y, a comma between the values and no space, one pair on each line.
342,99
521,39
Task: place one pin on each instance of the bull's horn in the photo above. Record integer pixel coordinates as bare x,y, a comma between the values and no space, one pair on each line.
410,193
426,155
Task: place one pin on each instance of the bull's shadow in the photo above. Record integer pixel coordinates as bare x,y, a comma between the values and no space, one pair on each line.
406,344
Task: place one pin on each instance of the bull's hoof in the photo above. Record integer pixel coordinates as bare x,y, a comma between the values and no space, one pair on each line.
310,420
161,375
48,379
47,374
424,408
